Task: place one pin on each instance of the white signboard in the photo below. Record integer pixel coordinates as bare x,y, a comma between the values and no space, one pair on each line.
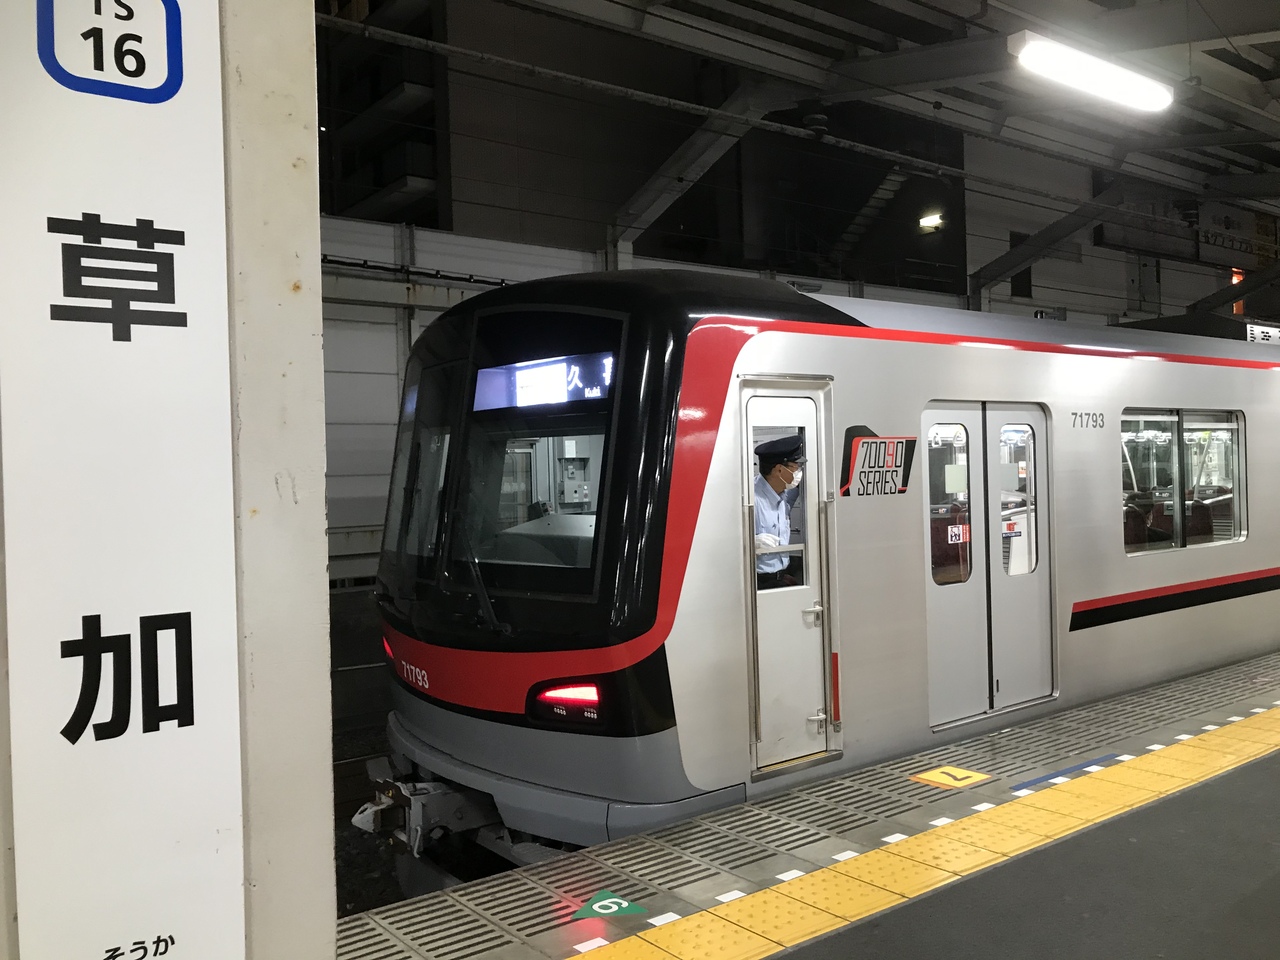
116,441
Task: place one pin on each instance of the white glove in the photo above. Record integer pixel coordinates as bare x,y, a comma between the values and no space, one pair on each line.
764,540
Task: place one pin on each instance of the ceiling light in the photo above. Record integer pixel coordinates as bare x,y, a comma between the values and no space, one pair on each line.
931,220
1089,74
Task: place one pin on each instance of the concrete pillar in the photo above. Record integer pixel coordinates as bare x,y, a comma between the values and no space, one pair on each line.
277,374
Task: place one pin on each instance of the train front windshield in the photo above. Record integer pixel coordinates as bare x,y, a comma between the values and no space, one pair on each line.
501,459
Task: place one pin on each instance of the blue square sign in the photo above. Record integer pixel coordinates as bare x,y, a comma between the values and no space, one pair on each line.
126,49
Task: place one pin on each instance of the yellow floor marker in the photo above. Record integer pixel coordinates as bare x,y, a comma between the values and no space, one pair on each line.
835,893
1213,761
783,920
1157,783
896,874
632,948
1257,734
1046,823
705,935
1072,804
1231,745
1170,766
992,836
945,853
951,778
1108,792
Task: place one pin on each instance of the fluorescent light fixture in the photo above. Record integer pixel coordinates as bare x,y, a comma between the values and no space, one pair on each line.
1092,346
985,346
1142,357
931,220
1089,74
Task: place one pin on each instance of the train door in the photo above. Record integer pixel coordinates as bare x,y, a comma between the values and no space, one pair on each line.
986,538
788,581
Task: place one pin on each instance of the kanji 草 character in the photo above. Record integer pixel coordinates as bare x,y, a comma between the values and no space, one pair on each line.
92,270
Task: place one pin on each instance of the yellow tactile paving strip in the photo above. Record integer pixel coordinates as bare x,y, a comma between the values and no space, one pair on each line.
760,924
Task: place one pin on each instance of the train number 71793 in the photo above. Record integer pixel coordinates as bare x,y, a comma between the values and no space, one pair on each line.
1094,421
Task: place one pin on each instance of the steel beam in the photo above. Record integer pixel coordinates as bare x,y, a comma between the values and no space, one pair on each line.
920,68
1245,186
1101,207
1176,23
1195,141
1253,281
691,161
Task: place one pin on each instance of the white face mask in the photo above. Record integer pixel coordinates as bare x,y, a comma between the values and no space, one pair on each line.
795,479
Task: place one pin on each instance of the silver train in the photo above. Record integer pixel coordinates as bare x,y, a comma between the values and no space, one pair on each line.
999,518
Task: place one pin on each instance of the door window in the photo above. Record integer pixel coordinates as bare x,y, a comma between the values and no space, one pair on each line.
949,527
780,515
1017,485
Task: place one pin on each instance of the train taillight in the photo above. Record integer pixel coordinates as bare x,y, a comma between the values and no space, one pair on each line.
386,645
576,701
582,694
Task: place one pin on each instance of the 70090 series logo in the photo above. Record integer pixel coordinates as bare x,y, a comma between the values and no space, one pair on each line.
875,466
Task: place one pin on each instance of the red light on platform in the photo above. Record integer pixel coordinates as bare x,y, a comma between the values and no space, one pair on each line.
386,645
582,694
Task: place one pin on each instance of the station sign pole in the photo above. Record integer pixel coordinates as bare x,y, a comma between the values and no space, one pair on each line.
119,537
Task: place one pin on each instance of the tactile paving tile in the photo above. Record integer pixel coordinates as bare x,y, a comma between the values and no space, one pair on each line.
945,853
988,835
1108,792
1157,783
899,875
631,948
1072,805
1232,746
1171,766
837,894
1212,760
705,935
1036,820
783,920
1256,734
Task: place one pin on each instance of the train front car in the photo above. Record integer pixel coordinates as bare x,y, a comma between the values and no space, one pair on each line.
532,565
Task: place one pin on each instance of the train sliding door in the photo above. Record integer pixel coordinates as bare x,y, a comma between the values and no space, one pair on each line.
788,576
987,544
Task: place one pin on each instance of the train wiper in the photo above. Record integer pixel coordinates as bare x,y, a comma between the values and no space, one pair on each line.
482,592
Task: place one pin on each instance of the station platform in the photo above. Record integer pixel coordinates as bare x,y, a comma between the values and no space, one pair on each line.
1139,826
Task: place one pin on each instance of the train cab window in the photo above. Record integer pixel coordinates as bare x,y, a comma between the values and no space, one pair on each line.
1017,482
1181,478
428,410
533,474
949,535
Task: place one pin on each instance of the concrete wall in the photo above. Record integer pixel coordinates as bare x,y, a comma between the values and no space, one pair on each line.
1098,283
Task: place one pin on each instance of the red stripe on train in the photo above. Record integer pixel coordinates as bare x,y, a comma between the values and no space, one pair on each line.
1171,589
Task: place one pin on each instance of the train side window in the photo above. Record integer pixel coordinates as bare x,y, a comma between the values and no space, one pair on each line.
1211,469
1182,478
1017,480
949,533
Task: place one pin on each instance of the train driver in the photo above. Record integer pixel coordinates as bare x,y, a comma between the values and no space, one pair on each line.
776,489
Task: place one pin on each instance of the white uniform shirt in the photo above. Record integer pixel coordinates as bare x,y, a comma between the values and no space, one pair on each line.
773,515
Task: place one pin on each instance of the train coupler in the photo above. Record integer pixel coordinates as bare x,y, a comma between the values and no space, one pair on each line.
418,812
